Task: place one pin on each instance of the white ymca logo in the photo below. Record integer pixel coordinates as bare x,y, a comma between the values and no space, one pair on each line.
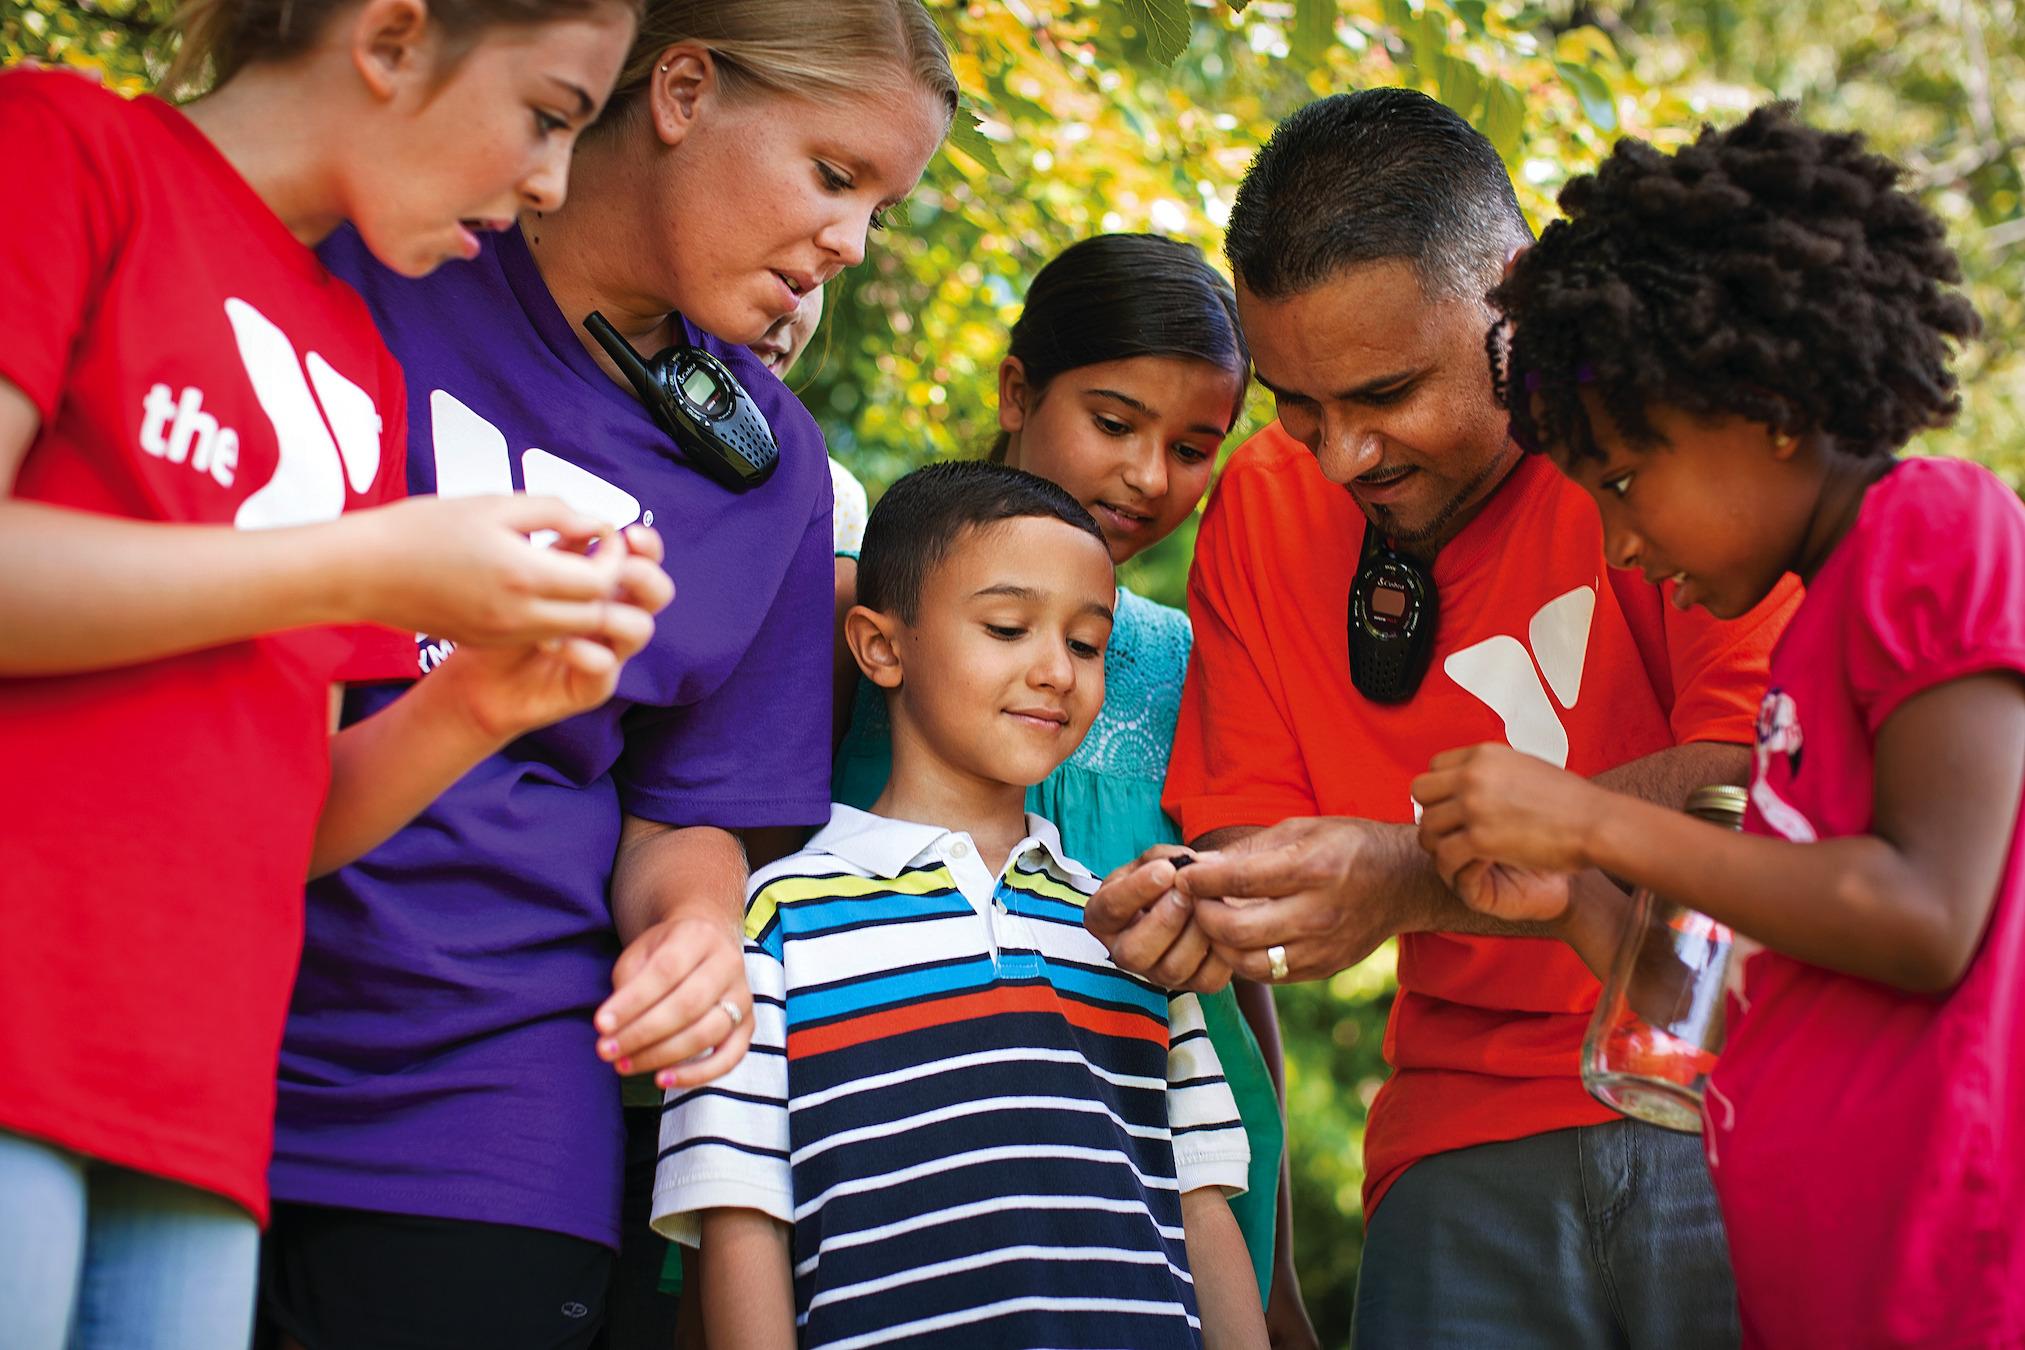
1499,671
472,460
324,438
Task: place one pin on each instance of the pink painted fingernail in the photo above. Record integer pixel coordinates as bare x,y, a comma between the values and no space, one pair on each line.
664,1079
625,1066
608,1048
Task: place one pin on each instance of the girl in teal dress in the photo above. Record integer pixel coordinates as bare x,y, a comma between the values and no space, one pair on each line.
1126,372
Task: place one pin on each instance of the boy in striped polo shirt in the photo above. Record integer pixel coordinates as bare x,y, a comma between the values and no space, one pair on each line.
959,1123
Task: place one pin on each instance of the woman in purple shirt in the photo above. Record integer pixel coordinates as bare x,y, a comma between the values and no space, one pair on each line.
449,1144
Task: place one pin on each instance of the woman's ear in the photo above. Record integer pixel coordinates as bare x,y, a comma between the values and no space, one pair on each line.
872,639
683,82
1012,395
390,44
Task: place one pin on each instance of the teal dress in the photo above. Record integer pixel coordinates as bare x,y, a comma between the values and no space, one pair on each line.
1106,801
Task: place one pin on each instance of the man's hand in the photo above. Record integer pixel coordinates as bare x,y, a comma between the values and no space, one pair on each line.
673,990
1146,924
1329,890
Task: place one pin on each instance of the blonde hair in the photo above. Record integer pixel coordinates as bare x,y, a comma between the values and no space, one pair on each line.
798,48
220,38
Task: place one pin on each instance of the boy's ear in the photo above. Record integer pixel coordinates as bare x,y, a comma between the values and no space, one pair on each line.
387,43
871,637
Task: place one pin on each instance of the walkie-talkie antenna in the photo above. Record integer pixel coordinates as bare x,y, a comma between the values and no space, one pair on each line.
621,351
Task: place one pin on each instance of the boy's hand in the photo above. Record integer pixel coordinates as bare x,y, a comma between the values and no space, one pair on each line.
462,568
511,690
1505,828
674,992
1148,926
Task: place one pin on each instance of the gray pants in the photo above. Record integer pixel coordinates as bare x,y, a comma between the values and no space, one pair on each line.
1600,1238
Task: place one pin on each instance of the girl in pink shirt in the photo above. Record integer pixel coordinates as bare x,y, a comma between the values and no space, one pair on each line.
1727,347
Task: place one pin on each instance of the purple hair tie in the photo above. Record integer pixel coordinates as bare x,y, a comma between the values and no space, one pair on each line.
1584,374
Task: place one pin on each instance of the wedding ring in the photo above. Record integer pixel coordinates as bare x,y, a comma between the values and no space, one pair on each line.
1276,962
733,1011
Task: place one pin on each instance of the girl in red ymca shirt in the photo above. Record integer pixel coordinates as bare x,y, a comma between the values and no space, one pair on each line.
190,407
1728,347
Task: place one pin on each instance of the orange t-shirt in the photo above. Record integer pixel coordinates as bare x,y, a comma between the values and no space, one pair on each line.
1538,644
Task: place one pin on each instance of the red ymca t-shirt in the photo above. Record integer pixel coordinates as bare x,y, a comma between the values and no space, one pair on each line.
1867,1144
1540,645
191,362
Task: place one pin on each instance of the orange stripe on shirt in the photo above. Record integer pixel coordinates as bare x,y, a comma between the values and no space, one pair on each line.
907,1017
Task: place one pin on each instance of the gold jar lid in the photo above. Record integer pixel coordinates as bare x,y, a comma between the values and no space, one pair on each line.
1719,802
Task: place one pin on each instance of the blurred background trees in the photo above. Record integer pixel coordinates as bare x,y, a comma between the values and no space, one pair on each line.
1091,115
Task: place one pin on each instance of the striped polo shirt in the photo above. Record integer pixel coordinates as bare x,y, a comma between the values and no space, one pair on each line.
979,1129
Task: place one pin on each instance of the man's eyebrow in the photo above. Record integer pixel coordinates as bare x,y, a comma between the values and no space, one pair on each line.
1371,386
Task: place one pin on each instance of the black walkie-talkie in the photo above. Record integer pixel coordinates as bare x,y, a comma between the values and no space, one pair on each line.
1393,608
700,403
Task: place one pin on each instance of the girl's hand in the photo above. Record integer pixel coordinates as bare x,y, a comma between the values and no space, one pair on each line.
463,568
1490,804
511,690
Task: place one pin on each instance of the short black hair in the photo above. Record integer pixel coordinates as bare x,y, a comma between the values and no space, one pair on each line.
1372,176
1771,271
921,517
1116,296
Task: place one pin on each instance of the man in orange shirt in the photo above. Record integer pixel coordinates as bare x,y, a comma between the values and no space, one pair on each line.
1516,1211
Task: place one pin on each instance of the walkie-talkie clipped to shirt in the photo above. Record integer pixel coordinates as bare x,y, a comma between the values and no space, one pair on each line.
700,404
1393,609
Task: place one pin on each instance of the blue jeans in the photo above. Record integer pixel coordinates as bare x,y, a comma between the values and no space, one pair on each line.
97,1257
1600,1238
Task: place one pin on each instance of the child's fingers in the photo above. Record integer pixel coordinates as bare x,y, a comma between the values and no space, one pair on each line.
645,542
588,657
1433,786
1180,967
643,583
531,514
624,628
1128,892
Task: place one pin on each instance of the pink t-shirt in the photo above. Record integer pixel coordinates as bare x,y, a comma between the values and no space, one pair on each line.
1868,1145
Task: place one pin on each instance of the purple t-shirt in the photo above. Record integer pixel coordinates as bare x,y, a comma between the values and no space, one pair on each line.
439,1058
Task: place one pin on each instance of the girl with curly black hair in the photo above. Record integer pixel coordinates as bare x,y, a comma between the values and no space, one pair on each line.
1727,347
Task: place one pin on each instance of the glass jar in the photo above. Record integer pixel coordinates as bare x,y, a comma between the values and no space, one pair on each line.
1659,1022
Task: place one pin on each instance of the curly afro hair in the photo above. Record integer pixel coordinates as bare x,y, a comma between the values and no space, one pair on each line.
1770,271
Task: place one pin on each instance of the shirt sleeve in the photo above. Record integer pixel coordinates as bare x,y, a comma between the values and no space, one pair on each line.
1236,760
1210,1147
1941,594
1712,671
66,212
725,1145
756,750
850,512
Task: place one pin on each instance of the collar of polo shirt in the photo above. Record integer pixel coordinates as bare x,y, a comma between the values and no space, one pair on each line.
886,847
